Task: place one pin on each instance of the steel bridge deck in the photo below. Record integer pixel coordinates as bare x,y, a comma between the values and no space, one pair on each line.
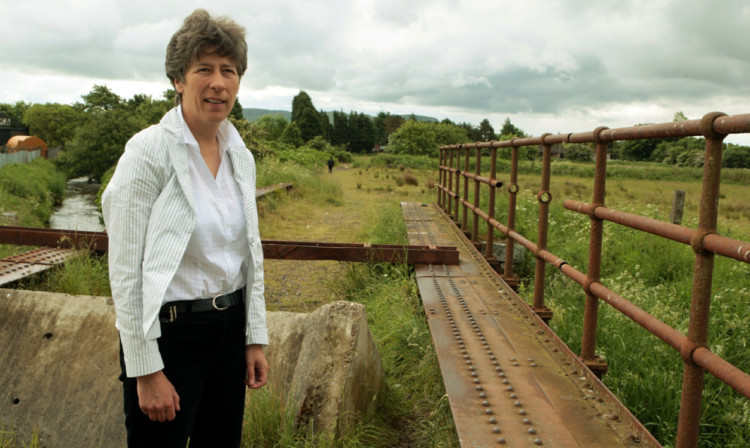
510,380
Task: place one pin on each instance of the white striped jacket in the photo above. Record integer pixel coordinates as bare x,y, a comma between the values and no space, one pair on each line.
149,215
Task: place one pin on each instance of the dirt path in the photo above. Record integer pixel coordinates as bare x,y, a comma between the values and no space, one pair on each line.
303,286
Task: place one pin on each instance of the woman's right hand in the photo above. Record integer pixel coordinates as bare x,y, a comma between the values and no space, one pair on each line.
157,397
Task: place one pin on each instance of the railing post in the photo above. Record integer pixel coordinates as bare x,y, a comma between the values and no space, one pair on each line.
544,197
692,377
591,310
457,200
449,175
512,190
488,250
464,215
475,221
440,177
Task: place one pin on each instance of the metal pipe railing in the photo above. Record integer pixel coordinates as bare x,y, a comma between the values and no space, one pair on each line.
693,347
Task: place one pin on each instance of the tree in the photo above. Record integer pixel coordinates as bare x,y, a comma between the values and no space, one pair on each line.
679,116
414,137
292,135
100,141
309,124
486,131
340,129
15,111
237,110
392,123
449,134
361,132
509,130
54,123
736,157
100,98
381,136
306,116
272,125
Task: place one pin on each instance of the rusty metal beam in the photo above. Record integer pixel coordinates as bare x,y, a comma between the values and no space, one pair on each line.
388,253
286,250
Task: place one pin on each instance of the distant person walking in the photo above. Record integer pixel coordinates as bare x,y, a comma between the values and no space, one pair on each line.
330,164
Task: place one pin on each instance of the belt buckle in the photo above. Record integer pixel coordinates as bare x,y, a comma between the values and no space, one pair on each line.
216,307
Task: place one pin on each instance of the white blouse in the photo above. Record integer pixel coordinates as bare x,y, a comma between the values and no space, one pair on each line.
217,251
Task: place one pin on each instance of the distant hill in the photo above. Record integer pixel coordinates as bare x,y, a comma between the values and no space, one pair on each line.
252,114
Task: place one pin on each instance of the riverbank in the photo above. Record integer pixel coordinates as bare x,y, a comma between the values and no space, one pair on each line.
28,194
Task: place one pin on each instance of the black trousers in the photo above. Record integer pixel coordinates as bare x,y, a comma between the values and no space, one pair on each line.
204,358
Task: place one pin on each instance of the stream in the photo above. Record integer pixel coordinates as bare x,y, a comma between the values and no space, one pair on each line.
78,210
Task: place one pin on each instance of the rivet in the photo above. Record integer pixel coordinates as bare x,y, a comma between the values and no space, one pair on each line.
499,369
496,430
533,364
495,363
482,395
488,411
493,420
501,441
473,374
515,364
531,431
513,396
485,403
537,442
522,412
506,382
517,404
501,374
480,388
468,362
476,380
526,421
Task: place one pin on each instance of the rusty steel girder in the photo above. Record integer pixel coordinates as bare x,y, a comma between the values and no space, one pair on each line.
285,250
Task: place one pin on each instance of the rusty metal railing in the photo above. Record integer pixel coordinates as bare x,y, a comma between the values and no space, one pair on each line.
705,242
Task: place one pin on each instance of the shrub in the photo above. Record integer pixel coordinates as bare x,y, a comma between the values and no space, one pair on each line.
411,179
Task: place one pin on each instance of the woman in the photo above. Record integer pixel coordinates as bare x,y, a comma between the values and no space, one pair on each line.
185,257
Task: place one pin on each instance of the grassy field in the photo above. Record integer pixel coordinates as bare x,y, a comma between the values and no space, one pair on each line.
359,202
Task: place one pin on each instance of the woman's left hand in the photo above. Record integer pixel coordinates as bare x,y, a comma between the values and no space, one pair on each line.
257,366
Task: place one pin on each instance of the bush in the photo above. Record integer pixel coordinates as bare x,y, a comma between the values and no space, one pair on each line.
411,179
736,157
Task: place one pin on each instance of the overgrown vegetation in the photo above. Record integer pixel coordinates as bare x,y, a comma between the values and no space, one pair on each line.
413,410
28,193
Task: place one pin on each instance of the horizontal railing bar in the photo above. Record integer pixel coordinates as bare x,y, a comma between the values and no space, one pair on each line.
736,378
719,244
734,124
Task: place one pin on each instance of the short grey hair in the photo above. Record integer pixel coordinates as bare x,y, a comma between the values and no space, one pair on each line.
201,33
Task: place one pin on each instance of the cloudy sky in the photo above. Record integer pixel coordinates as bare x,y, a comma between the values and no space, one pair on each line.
549,65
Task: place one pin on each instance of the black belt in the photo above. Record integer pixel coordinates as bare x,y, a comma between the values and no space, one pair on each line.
171,310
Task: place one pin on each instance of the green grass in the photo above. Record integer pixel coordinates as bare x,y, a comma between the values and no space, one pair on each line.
656,275
413,409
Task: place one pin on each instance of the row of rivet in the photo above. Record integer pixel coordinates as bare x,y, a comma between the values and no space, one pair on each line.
501,374
493,359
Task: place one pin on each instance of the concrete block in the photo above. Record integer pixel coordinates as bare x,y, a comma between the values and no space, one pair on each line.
59,367
59,358
327,363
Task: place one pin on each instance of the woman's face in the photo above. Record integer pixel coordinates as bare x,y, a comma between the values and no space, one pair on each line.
209,90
